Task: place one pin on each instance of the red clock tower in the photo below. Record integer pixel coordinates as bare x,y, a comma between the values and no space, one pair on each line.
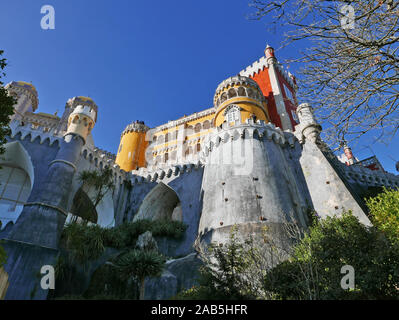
279,88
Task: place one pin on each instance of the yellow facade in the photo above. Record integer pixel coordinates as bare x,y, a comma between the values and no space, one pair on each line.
131,152
183,138
249,107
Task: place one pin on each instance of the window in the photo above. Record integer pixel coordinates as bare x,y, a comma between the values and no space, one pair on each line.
294,116
232,113
288,94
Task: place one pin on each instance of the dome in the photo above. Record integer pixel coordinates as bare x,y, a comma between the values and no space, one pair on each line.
236,81
26,85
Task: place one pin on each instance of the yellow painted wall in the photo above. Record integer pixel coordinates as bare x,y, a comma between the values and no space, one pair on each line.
248,109
135,144
192,123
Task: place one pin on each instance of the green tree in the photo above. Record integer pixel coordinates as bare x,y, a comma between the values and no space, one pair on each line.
311,269
101,181
6,106
384,212
140,264
235,270
314,270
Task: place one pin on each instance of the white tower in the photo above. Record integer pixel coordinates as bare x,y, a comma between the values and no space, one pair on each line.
27,98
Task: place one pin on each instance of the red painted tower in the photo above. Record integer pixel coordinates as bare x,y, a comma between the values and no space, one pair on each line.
279,88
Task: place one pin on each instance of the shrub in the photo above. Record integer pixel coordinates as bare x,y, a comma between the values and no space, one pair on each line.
314,270
384,212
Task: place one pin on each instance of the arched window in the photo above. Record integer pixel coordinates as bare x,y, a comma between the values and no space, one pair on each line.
232,93
241,92
232,113
189,130
250,93
197,127
206,125
223,97
198,147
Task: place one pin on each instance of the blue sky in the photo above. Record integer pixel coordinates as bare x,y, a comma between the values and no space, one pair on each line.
139,60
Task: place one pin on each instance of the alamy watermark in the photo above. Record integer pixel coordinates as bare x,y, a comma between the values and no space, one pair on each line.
348,19
48,277
48,20
348,280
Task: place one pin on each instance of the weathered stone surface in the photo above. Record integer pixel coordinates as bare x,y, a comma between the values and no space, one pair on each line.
328,191
179,274
146,241
161,288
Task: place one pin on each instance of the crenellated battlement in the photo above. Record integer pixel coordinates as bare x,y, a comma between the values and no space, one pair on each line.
101,159
249,130
145,175
137,126
26,131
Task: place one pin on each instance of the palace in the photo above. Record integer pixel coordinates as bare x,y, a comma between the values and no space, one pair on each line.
253,159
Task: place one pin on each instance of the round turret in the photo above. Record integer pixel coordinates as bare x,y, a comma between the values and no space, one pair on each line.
131,151
237,99
309,127
25,94
82,120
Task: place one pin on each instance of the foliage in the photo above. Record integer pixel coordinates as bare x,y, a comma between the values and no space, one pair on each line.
88,242
107,282
6,106
312,267
102,182
84,242
233,271
140,264
314,271
348,71
384,211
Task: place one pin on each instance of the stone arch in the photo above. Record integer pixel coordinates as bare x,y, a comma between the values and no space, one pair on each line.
232,93
250,93
104,211
241,91
162,202
83,207
197,127
16,181
223,97
161,139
